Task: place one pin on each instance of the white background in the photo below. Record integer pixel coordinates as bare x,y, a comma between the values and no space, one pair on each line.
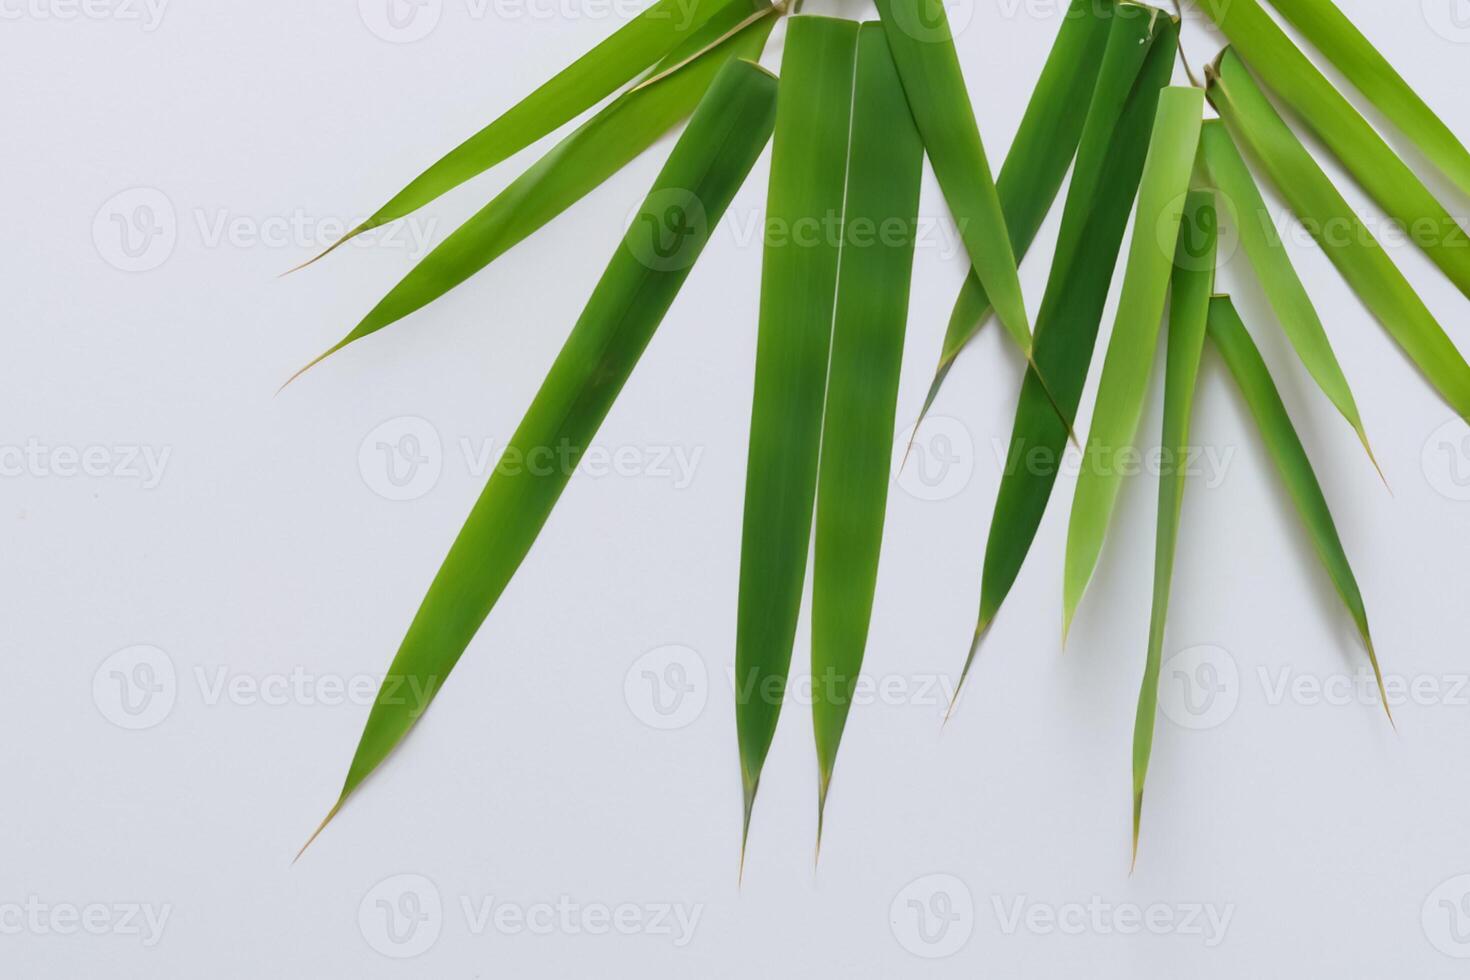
266,554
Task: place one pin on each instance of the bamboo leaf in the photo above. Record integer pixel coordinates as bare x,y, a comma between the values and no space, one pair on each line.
705,169
879,226
1331,33
923,48
1193,282
798,289
580,162
1038,159
1362,261
585,82
1110,163
1272,264
1245,363
1298,83
1161,198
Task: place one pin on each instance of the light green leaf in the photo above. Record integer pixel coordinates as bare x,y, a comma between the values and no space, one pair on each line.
575,89
1130,356
1193,282
879,226
798,289
1272,264
1298,83
583,160
705,169
1250,372
1099,201
1257,128
1330,32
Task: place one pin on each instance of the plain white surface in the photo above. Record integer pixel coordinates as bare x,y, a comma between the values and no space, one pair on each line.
237,554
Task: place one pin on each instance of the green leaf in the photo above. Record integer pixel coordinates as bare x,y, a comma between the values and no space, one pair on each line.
1330,32
1124,384
1099,201
1298,83
705,169
580,162
1250,372
1193,282
879,226
1039,156
575,89
1257,128
923,48
798,289
1272,264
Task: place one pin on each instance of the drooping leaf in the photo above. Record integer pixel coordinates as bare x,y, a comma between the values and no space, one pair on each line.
1258,129
583,160
1285,447
923,48
1297,82
879,227
1330,32
702,174
1193,282
1039,156
798,290
1130,356
575,89
1109,165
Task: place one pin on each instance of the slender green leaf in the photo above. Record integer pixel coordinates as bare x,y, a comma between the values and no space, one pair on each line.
1272,264
798,290
1099,201
706,167
1257,128
1250,372
575,89
1038,159
1331,33
1161,198
1193,282
1298,83
580,162
923,48
879,225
